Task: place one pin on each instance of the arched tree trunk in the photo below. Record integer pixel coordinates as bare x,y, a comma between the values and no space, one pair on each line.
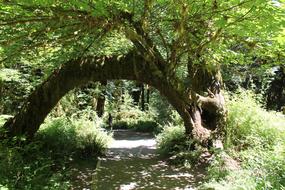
78,72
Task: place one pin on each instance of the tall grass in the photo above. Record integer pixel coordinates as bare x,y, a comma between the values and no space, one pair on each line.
171,139
44,163
256,139
74,135
172,142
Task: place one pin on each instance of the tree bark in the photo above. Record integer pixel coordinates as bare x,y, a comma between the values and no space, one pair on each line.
136,94
142,98
147,97
208,108
275,99
78,72
101,99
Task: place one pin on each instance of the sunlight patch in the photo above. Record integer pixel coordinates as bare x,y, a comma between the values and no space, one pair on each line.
128,186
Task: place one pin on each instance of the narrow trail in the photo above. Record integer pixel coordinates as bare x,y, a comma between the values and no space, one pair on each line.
132,163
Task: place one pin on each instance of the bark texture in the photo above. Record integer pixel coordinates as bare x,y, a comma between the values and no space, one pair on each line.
81,71
203,116
207,109
100,105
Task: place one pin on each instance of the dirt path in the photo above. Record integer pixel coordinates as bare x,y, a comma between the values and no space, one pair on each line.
132,163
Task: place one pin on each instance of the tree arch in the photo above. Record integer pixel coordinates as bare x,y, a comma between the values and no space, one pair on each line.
196,35
80,71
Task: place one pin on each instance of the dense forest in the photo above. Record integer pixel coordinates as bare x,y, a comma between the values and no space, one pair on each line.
91,86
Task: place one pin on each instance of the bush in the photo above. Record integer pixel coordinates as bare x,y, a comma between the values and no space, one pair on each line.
127,115
256,138
44,163
173,142
58,135
171,139
249,125
75,135
133,118
30,167
146,126
90,136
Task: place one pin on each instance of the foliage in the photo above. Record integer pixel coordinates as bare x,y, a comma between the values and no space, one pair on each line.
45,163
29,167
262,76
173,142
210,33
243,129
168,140
91,138
255,138
136,119
275,95
128,116
165,113
173,37
4,118
15,86
75,135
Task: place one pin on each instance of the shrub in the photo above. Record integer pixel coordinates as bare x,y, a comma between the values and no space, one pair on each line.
90,136
173,142
58,135
43,163
249,125
171,139
256,138
75,135
134,118
126,115
146,126
29,167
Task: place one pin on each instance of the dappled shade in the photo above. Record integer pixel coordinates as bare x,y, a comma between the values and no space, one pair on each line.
132,163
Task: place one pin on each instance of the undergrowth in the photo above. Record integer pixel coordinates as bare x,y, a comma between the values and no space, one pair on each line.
3,119
133,118
172,142
45,163
127,115
80,136
256,139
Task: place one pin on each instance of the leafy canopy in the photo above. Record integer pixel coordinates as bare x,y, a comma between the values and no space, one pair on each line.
208,31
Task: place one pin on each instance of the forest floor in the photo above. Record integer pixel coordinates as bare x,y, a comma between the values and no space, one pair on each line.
132,163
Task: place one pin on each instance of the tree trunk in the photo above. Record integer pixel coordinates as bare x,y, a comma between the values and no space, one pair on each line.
101,99
208,111
276,93
136,94
78,72
142,98
147,97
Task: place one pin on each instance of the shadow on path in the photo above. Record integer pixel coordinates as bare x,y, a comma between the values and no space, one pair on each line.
131,163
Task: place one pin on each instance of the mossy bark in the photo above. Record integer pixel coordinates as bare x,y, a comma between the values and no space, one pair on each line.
203,116
81,71
208,109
